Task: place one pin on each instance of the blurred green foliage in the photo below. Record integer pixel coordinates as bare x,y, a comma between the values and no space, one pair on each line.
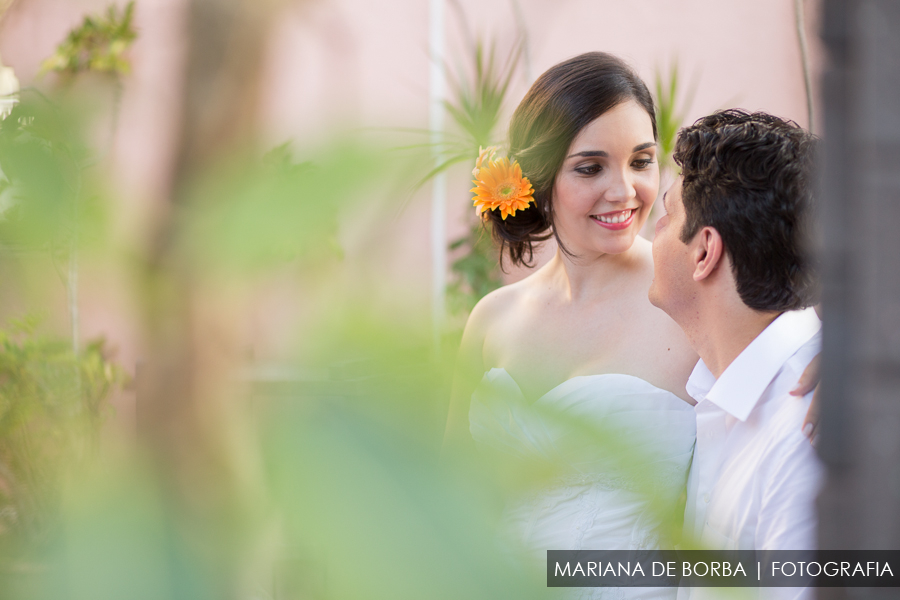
369,508
670,111
53,396
52,404
476,106
42,155
247,214
98,45
328,485
478,90
476,273
477,98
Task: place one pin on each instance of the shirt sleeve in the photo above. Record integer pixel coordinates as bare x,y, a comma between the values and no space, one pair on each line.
787,517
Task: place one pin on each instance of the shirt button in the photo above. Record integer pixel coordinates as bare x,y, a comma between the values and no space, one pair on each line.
706,498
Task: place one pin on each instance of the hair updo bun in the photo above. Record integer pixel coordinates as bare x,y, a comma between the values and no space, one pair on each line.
562,101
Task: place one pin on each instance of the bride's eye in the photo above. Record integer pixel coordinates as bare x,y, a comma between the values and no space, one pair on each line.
589,169
642,163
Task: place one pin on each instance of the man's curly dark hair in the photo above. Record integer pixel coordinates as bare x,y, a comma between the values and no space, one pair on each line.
750,177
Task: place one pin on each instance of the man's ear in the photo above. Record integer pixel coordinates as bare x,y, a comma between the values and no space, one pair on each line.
708,252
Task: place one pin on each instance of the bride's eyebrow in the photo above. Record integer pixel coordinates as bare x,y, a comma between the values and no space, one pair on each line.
589,153
603,154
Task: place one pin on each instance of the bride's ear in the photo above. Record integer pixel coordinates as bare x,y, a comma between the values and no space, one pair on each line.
708,253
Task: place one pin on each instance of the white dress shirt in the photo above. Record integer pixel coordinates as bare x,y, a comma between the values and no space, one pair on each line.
755,476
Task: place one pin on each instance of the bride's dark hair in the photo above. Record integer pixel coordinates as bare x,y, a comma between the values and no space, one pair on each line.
562,101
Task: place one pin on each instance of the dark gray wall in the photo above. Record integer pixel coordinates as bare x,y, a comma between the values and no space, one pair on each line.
860,249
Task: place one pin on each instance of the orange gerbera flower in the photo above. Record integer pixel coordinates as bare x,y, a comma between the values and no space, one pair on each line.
485,155
500,185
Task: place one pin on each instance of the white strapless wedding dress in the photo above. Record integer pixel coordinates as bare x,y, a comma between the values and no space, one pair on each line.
620,449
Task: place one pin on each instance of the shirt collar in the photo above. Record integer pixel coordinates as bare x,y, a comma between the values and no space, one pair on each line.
742,384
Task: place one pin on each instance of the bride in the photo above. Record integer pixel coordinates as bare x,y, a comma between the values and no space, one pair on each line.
573,366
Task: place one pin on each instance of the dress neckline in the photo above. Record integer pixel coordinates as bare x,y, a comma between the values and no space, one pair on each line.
564,385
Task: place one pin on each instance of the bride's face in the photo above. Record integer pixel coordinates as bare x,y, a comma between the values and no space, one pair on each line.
607,183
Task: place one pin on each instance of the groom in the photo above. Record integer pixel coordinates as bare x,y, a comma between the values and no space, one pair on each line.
730,269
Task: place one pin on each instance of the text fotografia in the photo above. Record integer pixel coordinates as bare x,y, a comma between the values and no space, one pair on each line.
697,568
831,568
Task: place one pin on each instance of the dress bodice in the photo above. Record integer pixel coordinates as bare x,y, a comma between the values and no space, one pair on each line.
621,448
592,424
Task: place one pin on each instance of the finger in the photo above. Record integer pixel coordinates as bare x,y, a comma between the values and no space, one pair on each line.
811,430
811,420
809,380
804,386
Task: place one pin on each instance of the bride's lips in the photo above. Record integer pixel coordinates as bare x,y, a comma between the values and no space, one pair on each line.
625,218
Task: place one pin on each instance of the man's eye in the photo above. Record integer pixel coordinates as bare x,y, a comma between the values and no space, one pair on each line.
589,169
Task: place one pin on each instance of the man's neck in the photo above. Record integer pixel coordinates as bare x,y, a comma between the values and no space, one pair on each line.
723,332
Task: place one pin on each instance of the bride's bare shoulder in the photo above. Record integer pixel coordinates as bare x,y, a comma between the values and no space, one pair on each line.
505,305
498,304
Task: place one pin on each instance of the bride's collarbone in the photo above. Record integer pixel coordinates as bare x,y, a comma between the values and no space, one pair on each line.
570,349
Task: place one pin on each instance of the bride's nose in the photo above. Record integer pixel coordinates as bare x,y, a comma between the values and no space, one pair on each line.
621,188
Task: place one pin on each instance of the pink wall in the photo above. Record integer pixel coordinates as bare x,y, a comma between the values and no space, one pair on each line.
368,61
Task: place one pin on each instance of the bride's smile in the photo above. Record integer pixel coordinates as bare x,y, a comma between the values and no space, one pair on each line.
620,219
